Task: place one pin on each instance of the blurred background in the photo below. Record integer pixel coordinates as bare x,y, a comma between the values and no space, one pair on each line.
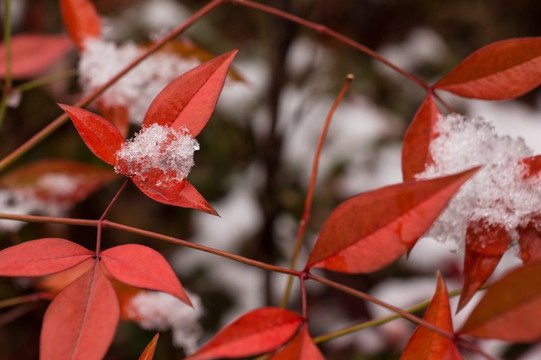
257,152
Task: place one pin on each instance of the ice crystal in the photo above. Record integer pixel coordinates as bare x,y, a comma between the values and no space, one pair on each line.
497,194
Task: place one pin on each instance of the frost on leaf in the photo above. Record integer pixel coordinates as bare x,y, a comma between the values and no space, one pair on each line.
498,193
159,149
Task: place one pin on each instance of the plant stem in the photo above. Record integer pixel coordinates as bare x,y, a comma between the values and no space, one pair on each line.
102,217
7,49
308,202
49,219
56,123
32,84
24,299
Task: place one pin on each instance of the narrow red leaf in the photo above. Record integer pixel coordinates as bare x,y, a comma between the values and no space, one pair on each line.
373,229
81,321
31,54
499,71
101,137
143,267
56,181
415,148
256,332
148,353
118,115
41,257
529,240
81,20
426,344
508,310
189,100
532,166
485,245
301,347
182,196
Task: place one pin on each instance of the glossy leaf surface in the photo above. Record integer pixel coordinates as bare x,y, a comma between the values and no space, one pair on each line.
87,329
426,344
143,267
118,115
41,257
415,148
373,229
183,196
31,54
81,20
508,310
189,100
148,353
499,71
485,245
256,332
301,347
101,137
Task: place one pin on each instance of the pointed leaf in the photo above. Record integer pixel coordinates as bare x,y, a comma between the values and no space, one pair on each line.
143,267
101,137
189,100
415,148
57,182
426,344
148,353
118,115
485,245
529,240
41,257
373,229
508,310
31,54
256,332
81,20
182,196
301,347
81,321
499,71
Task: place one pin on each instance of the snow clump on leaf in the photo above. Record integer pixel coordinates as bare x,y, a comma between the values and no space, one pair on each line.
497,194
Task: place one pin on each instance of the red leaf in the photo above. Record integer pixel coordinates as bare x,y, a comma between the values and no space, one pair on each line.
118,115
81,20
532,166
426,344
373,229
81,321
485,245
101,137
301,347
184,195
148,353
529,240
41,257
508,311
256,332
58,182
189,100
143,267
415,149
499,71
32,54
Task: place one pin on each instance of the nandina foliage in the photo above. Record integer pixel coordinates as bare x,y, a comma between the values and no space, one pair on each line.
148,353
255,332
426,344
301,347
81,20
373,229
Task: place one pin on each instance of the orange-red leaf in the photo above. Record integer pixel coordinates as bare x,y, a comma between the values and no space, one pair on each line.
256,332
510,307
183,196
426,344
148,353
373,229
189,100
529,240
81,20
41,257
485,245
502,70
118,115
32,54
81,321
55,181
143,267
101,137
415,148
531,167
301,347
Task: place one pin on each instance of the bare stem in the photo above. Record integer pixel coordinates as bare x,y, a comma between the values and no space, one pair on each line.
24,299
308,202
